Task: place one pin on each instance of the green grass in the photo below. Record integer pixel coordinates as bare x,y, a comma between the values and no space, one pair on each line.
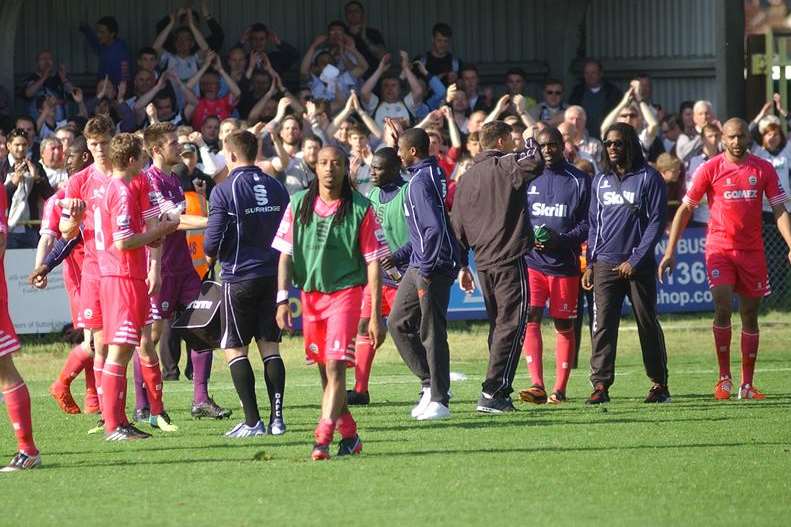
693,462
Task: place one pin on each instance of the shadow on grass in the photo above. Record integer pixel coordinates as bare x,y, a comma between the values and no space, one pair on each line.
146,449
536,450
263,456
515,420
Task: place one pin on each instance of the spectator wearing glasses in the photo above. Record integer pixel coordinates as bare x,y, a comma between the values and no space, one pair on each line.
551,109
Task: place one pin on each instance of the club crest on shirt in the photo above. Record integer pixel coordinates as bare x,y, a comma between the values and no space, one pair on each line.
122,220
165,305
715,273
753,180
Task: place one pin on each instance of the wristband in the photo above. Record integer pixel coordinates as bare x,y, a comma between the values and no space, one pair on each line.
282,296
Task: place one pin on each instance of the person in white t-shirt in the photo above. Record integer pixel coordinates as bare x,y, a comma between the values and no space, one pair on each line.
392,104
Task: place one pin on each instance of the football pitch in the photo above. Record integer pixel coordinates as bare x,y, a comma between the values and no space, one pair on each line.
693,462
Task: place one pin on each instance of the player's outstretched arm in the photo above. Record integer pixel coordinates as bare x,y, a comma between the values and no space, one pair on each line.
783,219
283,315
680,221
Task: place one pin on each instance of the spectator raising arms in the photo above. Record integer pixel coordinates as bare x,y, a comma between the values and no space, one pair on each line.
114,58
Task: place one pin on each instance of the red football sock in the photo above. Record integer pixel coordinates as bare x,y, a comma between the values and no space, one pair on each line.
324,432
113,395
98,367
722,347
90,376
17,401
152,378
346,425
364,358
75,363
533,350
749,354
564,351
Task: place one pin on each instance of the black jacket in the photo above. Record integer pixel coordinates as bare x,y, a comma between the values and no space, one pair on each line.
489,207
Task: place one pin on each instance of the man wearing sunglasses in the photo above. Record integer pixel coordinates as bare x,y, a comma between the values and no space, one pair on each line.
627,217
552,107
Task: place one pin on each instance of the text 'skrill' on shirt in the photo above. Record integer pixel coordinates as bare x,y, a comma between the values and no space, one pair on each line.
627,217
559,199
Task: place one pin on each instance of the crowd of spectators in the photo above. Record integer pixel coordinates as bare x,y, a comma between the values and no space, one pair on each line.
346,90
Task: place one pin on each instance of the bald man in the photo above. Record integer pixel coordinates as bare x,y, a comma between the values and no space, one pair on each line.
735,183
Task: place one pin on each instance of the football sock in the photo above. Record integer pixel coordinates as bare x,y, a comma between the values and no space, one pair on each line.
17,401
141,397
244,382
749,354
201,371
722,347
75,363
564,351
324,432
364,358
152,377
346,425
533,350
90,376
113,384
275,377
98,367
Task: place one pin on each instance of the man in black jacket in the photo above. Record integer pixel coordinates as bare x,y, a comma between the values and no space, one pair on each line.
489,218
596,95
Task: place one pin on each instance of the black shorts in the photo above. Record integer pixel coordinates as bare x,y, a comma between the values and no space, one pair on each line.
248,312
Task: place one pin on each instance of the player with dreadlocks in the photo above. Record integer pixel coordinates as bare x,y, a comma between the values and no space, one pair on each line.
330,243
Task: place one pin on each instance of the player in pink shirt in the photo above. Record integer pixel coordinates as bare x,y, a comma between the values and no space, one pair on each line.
84,193
128,275
734,184
180,282
13,387
330,243
80,357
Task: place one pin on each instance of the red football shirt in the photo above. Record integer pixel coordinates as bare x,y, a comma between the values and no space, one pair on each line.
121,215
88,185
222,107
735,193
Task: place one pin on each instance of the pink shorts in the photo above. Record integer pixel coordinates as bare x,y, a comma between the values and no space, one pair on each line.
90,302
126,310
388,298
177,290
329,325
744,270
9,342
561,291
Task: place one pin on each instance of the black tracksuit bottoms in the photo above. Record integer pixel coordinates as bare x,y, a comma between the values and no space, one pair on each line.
609,291
506,295
418,324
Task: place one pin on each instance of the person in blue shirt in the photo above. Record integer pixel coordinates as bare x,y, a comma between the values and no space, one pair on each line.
114,58
557,205
418,321
244,214
626,220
